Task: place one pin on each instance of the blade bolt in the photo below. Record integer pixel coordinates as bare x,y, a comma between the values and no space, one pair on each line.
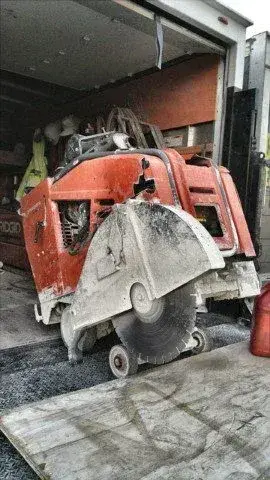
118,361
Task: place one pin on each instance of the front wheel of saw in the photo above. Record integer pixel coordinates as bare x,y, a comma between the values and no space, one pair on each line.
123,363
204,341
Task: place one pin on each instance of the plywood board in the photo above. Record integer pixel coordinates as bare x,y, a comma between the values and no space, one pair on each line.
204,417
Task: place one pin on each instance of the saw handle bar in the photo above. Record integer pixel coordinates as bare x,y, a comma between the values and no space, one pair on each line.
233,250
144,151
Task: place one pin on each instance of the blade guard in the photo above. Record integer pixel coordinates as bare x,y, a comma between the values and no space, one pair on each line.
160,246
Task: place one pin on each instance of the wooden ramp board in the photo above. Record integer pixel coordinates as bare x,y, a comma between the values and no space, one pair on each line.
204,417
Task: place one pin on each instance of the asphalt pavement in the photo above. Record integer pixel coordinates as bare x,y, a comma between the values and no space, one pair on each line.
33,359
37,371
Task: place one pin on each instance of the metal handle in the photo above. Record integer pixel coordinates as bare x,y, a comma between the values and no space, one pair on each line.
39,225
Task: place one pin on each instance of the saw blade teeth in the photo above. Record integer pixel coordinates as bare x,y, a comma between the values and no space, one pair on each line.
161,341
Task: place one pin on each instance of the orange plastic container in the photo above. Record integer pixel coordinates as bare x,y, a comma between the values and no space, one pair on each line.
260,332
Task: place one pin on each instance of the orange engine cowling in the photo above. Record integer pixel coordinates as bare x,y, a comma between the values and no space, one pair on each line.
61,214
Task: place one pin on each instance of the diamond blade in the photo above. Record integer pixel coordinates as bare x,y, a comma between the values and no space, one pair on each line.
162,340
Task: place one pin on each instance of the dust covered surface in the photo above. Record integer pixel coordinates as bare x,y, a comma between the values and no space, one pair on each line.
204,417
35,372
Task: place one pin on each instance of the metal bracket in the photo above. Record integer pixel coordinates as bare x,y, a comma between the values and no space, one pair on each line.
258,158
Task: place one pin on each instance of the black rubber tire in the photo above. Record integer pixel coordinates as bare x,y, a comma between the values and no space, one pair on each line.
205,341
88,340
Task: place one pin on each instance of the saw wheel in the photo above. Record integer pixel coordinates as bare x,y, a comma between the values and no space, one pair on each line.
158,330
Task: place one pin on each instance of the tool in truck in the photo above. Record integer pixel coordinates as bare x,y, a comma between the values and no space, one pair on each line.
133,240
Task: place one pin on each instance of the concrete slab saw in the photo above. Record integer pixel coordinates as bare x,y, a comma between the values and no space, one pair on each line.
134,241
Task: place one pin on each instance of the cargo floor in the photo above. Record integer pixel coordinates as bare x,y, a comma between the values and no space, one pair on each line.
203,417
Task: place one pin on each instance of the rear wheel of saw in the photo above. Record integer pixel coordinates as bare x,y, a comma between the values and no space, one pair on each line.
204,341
86,341
123,363
157,330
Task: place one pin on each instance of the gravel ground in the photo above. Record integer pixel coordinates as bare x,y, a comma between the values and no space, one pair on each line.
36,372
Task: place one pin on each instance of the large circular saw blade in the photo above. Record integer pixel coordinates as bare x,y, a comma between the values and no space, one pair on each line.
161,339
